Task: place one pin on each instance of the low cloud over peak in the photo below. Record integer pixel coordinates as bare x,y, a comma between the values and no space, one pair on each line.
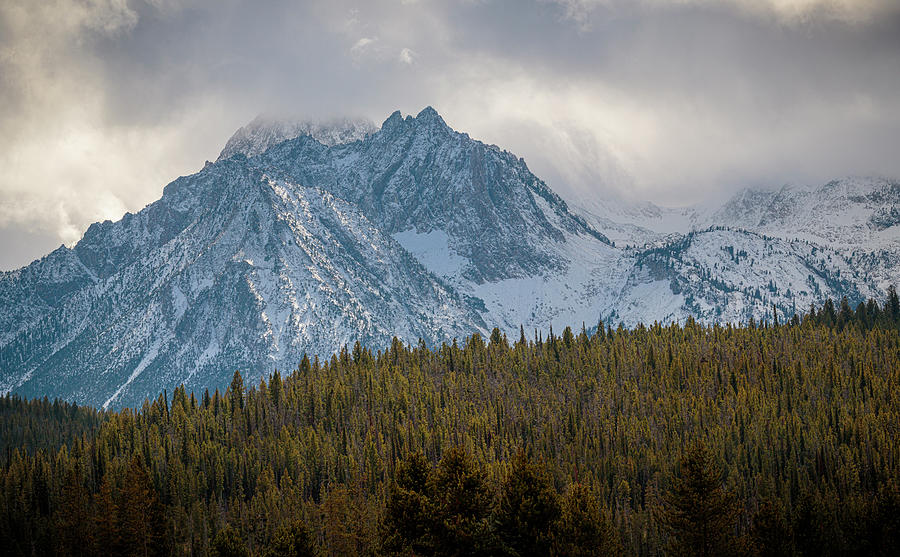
106,101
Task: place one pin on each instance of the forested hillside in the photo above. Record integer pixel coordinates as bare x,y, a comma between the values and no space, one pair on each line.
771,439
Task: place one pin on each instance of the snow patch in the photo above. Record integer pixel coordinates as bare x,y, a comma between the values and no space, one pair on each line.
148,358
433,251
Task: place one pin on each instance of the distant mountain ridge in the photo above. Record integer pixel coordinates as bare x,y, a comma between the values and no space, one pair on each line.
856,216
306,238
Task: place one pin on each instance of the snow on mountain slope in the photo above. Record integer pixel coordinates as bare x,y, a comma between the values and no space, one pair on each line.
265,131
262,272
418,173
292,243
860,217
640,224
28,294
857,217
842,213
728,275
588,278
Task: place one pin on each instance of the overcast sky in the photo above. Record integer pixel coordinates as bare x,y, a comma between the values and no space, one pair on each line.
103,102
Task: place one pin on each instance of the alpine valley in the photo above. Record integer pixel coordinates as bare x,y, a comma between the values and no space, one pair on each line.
305,238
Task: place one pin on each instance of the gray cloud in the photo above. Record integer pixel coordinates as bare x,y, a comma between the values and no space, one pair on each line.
105,101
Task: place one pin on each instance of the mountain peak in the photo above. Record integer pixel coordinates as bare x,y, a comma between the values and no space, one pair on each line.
427,119
393,121
265,131
430,120
430,115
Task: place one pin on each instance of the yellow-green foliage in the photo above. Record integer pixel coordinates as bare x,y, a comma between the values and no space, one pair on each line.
805,415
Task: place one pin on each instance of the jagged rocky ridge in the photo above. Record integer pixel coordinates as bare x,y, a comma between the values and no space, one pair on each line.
303,240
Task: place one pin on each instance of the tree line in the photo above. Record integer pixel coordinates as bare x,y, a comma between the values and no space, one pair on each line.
778,438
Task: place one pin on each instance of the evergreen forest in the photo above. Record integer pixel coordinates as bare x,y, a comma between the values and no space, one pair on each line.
773,438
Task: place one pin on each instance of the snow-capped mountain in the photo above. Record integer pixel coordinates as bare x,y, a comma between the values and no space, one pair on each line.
857,217
305,240
231,265
418,174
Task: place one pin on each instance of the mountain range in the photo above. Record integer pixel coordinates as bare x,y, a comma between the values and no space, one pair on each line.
304,238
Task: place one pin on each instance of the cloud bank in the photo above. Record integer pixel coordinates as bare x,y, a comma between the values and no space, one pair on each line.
105,101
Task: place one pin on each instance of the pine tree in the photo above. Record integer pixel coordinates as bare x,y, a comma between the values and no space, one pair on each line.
583,528
141,514
568,337
407,526
462,506
228,543
292,540
845,315
892,307
828,315
496,337
276,387
698,514
74,528
105,513
348,528
236,392
529,506
770,534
